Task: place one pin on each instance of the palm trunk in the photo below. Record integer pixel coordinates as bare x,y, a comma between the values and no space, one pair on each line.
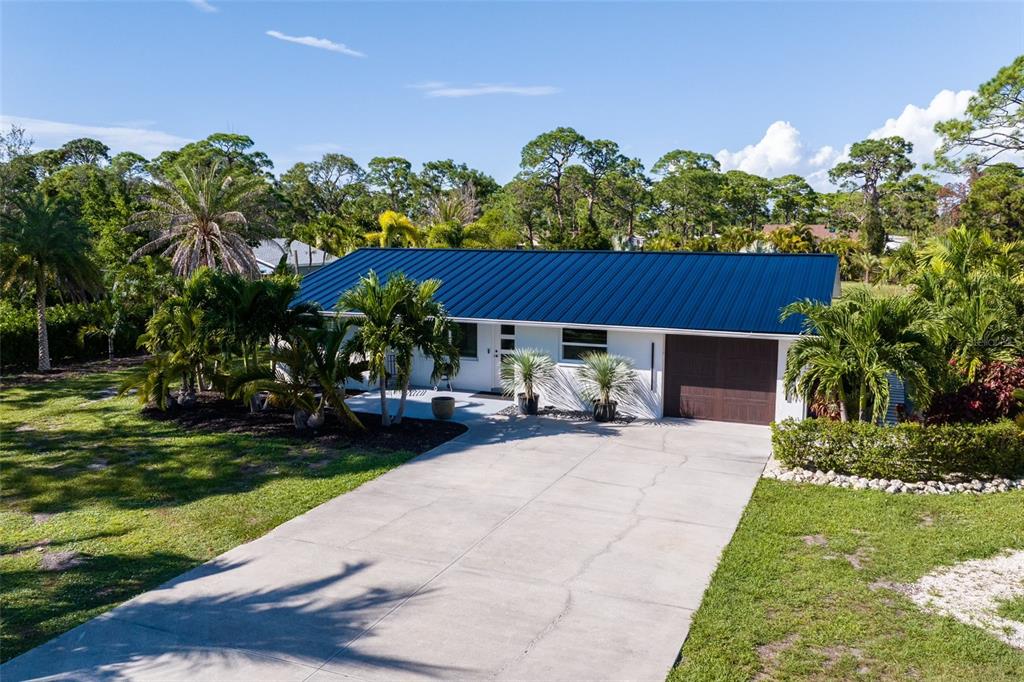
110,346
385,419
44,338
401,403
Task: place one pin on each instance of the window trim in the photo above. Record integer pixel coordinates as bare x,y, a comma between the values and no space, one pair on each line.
595,347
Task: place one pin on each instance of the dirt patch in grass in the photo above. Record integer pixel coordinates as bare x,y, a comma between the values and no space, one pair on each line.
212,413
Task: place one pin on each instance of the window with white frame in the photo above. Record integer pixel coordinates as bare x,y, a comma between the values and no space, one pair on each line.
578,342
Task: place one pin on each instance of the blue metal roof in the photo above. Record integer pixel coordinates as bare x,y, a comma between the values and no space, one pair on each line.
728,292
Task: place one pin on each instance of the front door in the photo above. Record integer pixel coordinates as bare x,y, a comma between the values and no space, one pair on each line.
504,343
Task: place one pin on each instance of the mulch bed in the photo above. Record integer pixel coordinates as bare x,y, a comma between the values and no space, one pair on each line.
72,371
215,414
568,415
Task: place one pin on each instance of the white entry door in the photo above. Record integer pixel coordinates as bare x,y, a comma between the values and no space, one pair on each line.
504,343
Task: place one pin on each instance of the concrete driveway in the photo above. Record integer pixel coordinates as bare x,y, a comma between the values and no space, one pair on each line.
526,549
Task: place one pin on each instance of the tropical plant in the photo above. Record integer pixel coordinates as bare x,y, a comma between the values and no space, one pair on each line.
291,380
869,265
736,238
182,350
792,239
850,348
525,372
380,333
43,244
428,330
395,230
197,219
606,379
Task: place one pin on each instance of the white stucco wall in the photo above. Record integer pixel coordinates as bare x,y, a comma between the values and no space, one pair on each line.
785,409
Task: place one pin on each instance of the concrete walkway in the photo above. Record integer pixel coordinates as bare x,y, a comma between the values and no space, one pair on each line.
526,549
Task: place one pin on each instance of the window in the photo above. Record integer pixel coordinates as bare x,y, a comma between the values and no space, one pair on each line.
578,342
508,330
466,339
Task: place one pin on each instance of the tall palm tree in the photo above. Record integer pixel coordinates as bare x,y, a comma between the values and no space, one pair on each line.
849,349
395,230
196,218
430,332
380,332
44,244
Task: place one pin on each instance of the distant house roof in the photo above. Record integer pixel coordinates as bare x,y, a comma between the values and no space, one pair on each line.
268,254
818,231
725,292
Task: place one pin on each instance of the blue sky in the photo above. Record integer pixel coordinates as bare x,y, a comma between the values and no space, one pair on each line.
770,87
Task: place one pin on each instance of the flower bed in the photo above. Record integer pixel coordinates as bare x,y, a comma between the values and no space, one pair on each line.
908,452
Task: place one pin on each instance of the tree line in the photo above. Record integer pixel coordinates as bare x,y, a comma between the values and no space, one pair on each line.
81,222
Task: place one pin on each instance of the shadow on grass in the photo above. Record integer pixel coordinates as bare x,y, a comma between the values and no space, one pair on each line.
202,623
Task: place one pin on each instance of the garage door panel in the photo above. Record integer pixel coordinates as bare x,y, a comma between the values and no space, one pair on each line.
720,378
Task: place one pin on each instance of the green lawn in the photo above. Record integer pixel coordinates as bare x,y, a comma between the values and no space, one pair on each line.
801,589
139,500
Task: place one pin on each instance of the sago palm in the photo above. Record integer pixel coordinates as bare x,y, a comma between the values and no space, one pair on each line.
42,245
196,220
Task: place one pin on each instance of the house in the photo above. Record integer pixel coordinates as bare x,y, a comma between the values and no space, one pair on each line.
818,231
299,256
702,329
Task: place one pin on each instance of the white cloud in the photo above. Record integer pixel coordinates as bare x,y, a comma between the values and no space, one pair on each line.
823,156
442,89
49,134
777,153
916,124
319,43
202,5
780,151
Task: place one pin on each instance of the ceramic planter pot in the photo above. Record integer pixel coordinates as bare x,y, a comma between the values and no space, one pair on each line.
605,412
443,407
527,405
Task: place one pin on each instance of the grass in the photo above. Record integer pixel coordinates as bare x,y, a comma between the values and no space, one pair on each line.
1013,609
803,591
139,500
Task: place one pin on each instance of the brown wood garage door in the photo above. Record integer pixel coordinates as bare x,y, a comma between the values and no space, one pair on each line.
730,380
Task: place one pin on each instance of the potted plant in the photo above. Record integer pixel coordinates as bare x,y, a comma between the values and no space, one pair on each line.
524,371
605,380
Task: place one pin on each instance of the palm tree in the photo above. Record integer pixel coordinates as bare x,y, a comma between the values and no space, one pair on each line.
868,263
395,230
43,244
430,331
380,333
736,238
851,347
196,218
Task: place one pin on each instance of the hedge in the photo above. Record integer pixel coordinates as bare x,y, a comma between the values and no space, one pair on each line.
907,452
19,347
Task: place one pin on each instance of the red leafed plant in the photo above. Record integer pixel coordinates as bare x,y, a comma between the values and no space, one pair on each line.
988,398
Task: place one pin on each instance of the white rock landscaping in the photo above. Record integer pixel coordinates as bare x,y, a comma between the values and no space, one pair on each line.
947,487
972,591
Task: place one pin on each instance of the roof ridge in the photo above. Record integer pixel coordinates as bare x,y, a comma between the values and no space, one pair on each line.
588,251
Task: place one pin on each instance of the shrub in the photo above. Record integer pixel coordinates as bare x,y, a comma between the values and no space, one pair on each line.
19,346
986,399
908,452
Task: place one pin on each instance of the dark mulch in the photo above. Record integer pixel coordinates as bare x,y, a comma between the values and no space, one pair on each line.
213,413
72,371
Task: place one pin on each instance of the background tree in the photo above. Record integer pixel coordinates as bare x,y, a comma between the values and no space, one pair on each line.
996,202
745,198
546,157
687,195
910,206
872,163
793,200
392,176
43,243
992,129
